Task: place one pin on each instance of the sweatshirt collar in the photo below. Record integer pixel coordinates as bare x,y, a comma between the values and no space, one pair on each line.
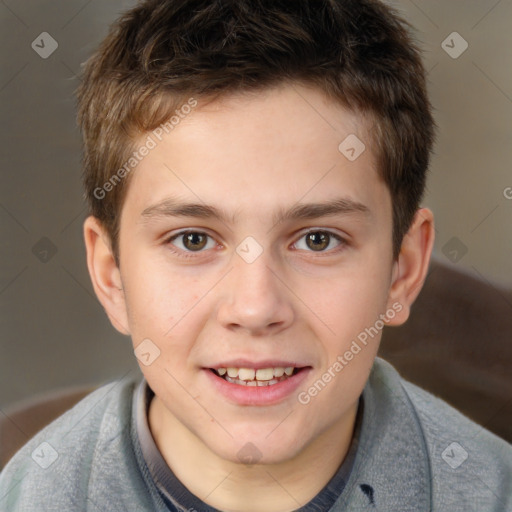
392,466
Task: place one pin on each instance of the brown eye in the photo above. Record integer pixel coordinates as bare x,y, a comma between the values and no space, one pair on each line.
194,241
317,240
186,243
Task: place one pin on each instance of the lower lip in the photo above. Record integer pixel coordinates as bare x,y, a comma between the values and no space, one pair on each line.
257,395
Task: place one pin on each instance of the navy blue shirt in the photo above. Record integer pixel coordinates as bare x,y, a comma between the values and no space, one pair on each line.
179,499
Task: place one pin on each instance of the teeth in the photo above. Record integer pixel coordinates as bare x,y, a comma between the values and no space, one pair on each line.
233,372
250,375
254,383
264,374
246,373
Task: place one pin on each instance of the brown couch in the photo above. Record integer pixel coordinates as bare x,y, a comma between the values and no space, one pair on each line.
456,344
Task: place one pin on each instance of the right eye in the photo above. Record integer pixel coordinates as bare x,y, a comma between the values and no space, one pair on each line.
192,241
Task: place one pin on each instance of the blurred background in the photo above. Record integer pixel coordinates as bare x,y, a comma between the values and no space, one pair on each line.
54,332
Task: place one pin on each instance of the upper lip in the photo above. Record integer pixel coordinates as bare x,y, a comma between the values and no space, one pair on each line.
266,363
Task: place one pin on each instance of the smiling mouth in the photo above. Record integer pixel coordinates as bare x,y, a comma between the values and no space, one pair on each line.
256,377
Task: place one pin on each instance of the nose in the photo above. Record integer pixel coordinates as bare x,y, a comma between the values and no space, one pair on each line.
256,298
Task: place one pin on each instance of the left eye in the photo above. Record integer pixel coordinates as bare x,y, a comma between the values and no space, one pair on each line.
319,240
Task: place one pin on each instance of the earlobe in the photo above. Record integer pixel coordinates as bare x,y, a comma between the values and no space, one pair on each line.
105,274
410,270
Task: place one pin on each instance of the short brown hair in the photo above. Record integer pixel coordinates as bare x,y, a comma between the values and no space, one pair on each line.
360,53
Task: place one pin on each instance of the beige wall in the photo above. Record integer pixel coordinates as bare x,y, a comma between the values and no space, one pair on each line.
472,166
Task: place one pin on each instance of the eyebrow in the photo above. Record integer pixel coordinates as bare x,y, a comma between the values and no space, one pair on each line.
170,207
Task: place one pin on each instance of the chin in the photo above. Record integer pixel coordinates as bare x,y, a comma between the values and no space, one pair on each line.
258,449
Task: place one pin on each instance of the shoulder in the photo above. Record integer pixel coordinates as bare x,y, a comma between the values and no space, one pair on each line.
55,467
465,458
443,423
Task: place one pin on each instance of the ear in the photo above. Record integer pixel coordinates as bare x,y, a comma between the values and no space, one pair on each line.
105,275
411,267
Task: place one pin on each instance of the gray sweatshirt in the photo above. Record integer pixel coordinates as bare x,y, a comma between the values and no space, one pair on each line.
414,453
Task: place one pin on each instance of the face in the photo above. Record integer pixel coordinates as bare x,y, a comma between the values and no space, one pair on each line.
255,277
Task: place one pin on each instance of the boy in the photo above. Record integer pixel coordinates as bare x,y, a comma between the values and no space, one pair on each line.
254,171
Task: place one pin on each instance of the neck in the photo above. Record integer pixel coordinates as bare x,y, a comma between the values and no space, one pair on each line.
231,486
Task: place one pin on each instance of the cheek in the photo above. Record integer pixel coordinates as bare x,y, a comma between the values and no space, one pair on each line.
158,300
352,303
354,310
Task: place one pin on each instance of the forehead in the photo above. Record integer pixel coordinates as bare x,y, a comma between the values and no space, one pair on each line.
253,152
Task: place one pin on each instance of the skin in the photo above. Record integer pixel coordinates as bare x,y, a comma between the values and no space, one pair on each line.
251,155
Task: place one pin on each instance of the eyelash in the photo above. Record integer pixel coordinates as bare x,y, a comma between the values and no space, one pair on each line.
193,254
